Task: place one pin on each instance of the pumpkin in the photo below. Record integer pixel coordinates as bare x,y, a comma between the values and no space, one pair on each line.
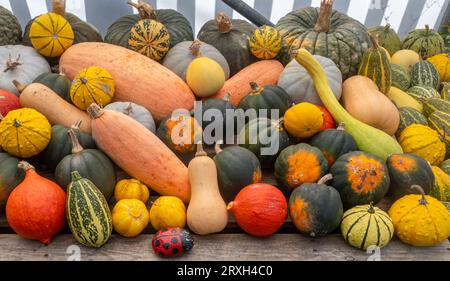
91,164
8,102
439,121
10,31
149,38
316,208
296,81
36,207
265,42
334,143
177,25
87,212
328,121
161,169
266,101
259,209
435,104
181,55
92,85
420,220
362,100
423,93
445,166
230,37
129,217
264,73
161,92
366,226
360,178
406,170
322,31
237,167
299,164
303,120
135,111
402,99
445,94
58,83
368,139
442,64
406,58
223,108
131,189
441,187
205,77
424,142
424,73
166,212
51,34
408,117
387,37
24,132
10,176
375,65
426,42
20,63
401,78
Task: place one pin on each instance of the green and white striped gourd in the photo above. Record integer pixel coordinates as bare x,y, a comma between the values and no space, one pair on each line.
426,42
424,73
445,93
400,77
408,117
423,93
436,104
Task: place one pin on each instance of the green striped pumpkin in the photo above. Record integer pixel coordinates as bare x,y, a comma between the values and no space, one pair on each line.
87,212
400,77
445,94
425,42
424,73
440,122
387,37
435,104
408,117
423,93
445,166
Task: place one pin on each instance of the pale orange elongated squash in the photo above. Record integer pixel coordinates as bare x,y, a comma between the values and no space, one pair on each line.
263,73
137,78
139,152
51,105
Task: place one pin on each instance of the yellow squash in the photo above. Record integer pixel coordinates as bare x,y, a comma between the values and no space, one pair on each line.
303,120
205,77
130,217
131,189
265,43
402,99
406,58
168,211
442,64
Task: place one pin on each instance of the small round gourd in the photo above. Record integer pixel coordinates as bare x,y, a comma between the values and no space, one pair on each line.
130,217
265,43
168,211
135,111
303,120
149,38
131,189
406,58
205,77
427,42
441,187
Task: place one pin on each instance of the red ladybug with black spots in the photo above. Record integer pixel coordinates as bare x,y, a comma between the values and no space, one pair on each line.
172,242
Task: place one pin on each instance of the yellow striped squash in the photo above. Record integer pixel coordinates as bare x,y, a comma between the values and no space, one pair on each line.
441,187
51,34
440,122
265,43
150,38
442,64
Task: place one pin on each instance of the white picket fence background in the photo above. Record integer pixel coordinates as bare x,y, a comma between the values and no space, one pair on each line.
403,15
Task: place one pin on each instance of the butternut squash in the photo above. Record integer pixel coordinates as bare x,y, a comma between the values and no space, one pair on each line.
137,78
207,212
51,105
263,73
139,152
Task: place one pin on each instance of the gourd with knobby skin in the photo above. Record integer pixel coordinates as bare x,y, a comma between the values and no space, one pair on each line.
205,77
166,212
427,42
406,58
8,102
10,31
303,120
442,64
58,83
387,38
10,176
131,189
265,43
402,99
129,217
441,187
149,38
135,111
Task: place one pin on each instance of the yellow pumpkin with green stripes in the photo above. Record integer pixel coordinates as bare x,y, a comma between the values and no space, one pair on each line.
265,43
51,35
441,187
149,38
92,85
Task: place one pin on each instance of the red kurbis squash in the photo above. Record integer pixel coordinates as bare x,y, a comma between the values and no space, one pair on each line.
8,102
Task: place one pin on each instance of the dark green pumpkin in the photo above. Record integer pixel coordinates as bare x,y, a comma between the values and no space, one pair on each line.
426,42
10,176
299,164
408,117
387,37
92,164
59,83
10,29
406,170
445,166
360,178
333,143
315,208
424,73
230,37
401,78
237,167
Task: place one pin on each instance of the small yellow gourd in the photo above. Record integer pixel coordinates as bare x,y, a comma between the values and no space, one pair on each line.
130,217
205,77
441,187
131,189
303,120
92,85
442,64
406,58
420,220
168,211
265,42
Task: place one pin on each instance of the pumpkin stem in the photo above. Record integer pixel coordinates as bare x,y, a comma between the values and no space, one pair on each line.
129,109
11,63
230,206
341,127
325,179
423,200
217,147
200,151
374,40
195,48
371,209
224,24
77,125
95,111
145,10
324,20
427,29
256,90
75,176
83,80
387,27
76,146
59,7
227,96
24,165
19,86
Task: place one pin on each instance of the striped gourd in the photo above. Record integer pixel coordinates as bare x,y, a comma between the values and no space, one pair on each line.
441,187
445,166
150,38
425,42
445,94
265,43
423,93
408,117
442,64
387,38
440,122
376,66
424,73
400,77
365,226
436,104
87,212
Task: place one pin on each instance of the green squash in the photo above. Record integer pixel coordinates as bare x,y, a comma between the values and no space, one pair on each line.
360,178
10,29
237,167
425,42
423,93
441,187
435,104
440,122
10,176
92,164
424,73
445,166
59,83
387,37
401,77
406,170
445,93
315,208
87,212
408,117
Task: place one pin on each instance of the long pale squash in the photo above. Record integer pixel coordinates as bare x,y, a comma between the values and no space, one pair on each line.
139,152
137,78
367,138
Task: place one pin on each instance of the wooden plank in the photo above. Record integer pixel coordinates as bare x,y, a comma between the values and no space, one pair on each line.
116,9
411,17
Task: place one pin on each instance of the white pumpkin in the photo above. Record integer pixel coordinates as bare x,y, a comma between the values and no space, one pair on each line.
182,54
135,111
296,81
20,63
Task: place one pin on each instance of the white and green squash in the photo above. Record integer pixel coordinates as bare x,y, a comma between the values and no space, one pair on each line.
424,73
401,77
423,93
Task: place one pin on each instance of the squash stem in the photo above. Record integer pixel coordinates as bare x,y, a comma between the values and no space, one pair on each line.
227,96
19,86
256,90
76,146
371,210
195,48
75,176
129,109
77,125
145,10
325,179
200,152
230,206
324,20
95,111
341,127
24,165
374,40
59,7
224,24
12,64
387,27
423,200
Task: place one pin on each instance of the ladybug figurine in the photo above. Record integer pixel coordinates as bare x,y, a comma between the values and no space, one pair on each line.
172,242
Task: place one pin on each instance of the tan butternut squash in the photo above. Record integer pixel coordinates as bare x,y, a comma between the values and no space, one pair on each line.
137,78
207,212
263,73
139,152
51,105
